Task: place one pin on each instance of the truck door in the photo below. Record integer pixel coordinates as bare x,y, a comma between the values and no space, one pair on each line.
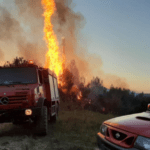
52,89
56,88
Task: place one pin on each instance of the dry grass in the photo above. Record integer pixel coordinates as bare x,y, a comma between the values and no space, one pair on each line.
75,130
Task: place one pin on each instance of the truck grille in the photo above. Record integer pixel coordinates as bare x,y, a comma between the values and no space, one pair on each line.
18,98
120,138
121,135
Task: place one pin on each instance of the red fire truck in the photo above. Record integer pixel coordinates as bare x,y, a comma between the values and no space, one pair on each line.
29,94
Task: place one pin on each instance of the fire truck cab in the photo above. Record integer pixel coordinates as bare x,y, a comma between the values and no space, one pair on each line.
29,94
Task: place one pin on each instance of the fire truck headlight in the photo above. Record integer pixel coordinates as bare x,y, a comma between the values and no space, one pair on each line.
28,112
142,143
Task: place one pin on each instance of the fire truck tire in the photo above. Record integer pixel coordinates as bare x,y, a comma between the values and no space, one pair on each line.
42,122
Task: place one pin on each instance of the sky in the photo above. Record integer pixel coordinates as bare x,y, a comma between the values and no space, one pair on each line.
117,32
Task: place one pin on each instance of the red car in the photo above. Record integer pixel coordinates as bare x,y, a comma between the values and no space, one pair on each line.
130,132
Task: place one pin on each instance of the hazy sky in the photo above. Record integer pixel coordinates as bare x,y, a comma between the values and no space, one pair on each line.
117,31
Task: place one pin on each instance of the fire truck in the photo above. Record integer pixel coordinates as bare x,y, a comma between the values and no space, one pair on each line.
29,93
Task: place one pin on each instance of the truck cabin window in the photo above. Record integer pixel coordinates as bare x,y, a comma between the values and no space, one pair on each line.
9,76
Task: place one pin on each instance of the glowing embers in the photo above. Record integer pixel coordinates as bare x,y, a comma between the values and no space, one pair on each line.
79,96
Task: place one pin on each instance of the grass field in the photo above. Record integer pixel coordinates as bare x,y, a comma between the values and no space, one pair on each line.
75,129
79,127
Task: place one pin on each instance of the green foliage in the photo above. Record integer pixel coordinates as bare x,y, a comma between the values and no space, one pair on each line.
122,101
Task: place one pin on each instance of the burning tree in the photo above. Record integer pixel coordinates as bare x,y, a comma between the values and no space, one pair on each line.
66,84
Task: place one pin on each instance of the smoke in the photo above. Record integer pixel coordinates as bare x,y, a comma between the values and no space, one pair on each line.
30,12
68,24
1,58
30,51
26,32
74,70
32,7
9,27
115,81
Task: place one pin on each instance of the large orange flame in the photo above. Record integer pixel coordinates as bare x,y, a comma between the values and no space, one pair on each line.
53,61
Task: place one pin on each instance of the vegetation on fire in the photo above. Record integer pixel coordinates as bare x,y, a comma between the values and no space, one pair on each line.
96,97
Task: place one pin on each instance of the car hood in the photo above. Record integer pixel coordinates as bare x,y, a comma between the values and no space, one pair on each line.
136,123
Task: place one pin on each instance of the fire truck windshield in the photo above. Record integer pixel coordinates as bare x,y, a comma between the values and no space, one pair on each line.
20,75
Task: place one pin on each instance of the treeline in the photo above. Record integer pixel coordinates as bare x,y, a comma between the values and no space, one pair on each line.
97,98
123,101
119,101
94,96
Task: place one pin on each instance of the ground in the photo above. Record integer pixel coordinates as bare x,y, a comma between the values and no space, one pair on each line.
75,129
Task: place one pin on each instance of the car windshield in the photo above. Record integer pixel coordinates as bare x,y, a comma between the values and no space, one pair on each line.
18,76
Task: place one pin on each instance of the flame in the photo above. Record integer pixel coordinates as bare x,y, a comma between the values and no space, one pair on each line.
79,96
53,61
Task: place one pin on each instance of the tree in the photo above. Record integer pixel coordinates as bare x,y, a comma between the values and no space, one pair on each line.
96,81
16,62
75,72
66,83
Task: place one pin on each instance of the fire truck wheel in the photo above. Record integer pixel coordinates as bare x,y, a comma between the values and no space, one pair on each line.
42,122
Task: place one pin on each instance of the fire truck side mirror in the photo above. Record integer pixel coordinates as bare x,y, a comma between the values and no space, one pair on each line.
148,107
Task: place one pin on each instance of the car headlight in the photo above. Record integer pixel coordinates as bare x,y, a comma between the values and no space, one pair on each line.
103,129
142,142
